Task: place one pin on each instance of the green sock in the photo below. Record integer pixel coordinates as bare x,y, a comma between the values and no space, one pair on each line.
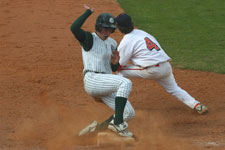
104,124
120,103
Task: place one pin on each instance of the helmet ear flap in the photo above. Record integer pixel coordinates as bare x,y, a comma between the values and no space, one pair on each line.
98,24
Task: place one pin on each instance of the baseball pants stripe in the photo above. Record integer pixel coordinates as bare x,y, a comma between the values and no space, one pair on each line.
97,84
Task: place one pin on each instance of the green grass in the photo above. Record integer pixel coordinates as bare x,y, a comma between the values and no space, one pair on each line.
191,32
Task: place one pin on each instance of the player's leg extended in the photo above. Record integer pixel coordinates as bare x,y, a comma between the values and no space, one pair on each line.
169,83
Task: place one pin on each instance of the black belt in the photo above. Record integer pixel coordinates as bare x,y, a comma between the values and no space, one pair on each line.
86,71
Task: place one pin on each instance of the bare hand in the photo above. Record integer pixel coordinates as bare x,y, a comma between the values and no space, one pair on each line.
115,57
87,7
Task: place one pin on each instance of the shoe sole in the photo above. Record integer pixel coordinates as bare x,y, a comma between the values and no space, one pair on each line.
88,128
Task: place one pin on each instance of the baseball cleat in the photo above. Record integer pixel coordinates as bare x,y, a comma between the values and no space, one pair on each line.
201,109
88,129
120,129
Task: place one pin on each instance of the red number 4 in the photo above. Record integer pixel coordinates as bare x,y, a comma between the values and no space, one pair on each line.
151,45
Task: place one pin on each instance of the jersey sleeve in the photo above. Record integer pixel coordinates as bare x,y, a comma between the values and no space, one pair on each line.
84,37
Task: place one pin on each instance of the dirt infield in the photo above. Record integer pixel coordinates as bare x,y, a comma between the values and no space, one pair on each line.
43,104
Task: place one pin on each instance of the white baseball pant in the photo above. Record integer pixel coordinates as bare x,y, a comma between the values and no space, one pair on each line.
162,73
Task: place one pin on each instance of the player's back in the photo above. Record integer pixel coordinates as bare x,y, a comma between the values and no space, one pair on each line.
145,49
138,38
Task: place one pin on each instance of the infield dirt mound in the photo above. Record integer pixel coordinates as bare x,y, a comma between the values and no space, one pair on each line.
43,104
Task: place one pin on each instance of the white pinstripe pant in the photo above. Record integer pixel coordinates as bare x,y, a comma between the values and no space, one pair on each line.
107,87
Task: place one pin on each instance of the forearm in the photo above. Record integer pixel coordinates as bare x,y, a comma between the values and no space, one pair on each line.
76,26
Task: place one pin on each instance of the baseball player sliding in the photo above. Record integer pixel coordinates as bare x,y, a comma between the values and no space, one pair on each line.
100,58
149,61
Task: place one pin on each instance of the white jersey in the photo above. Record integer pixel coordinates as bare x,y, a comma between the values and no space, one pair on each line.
97,59
142,49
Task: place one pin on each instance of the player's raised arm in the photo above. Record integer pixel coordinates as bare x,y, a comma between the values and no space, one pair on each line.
79,33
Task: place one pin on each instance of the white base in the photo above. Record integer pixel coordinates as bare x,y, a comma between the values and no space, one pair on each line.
107,138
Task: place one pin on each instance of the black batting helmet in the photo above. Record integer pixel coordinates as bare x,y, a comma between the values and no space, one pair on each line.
105,20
